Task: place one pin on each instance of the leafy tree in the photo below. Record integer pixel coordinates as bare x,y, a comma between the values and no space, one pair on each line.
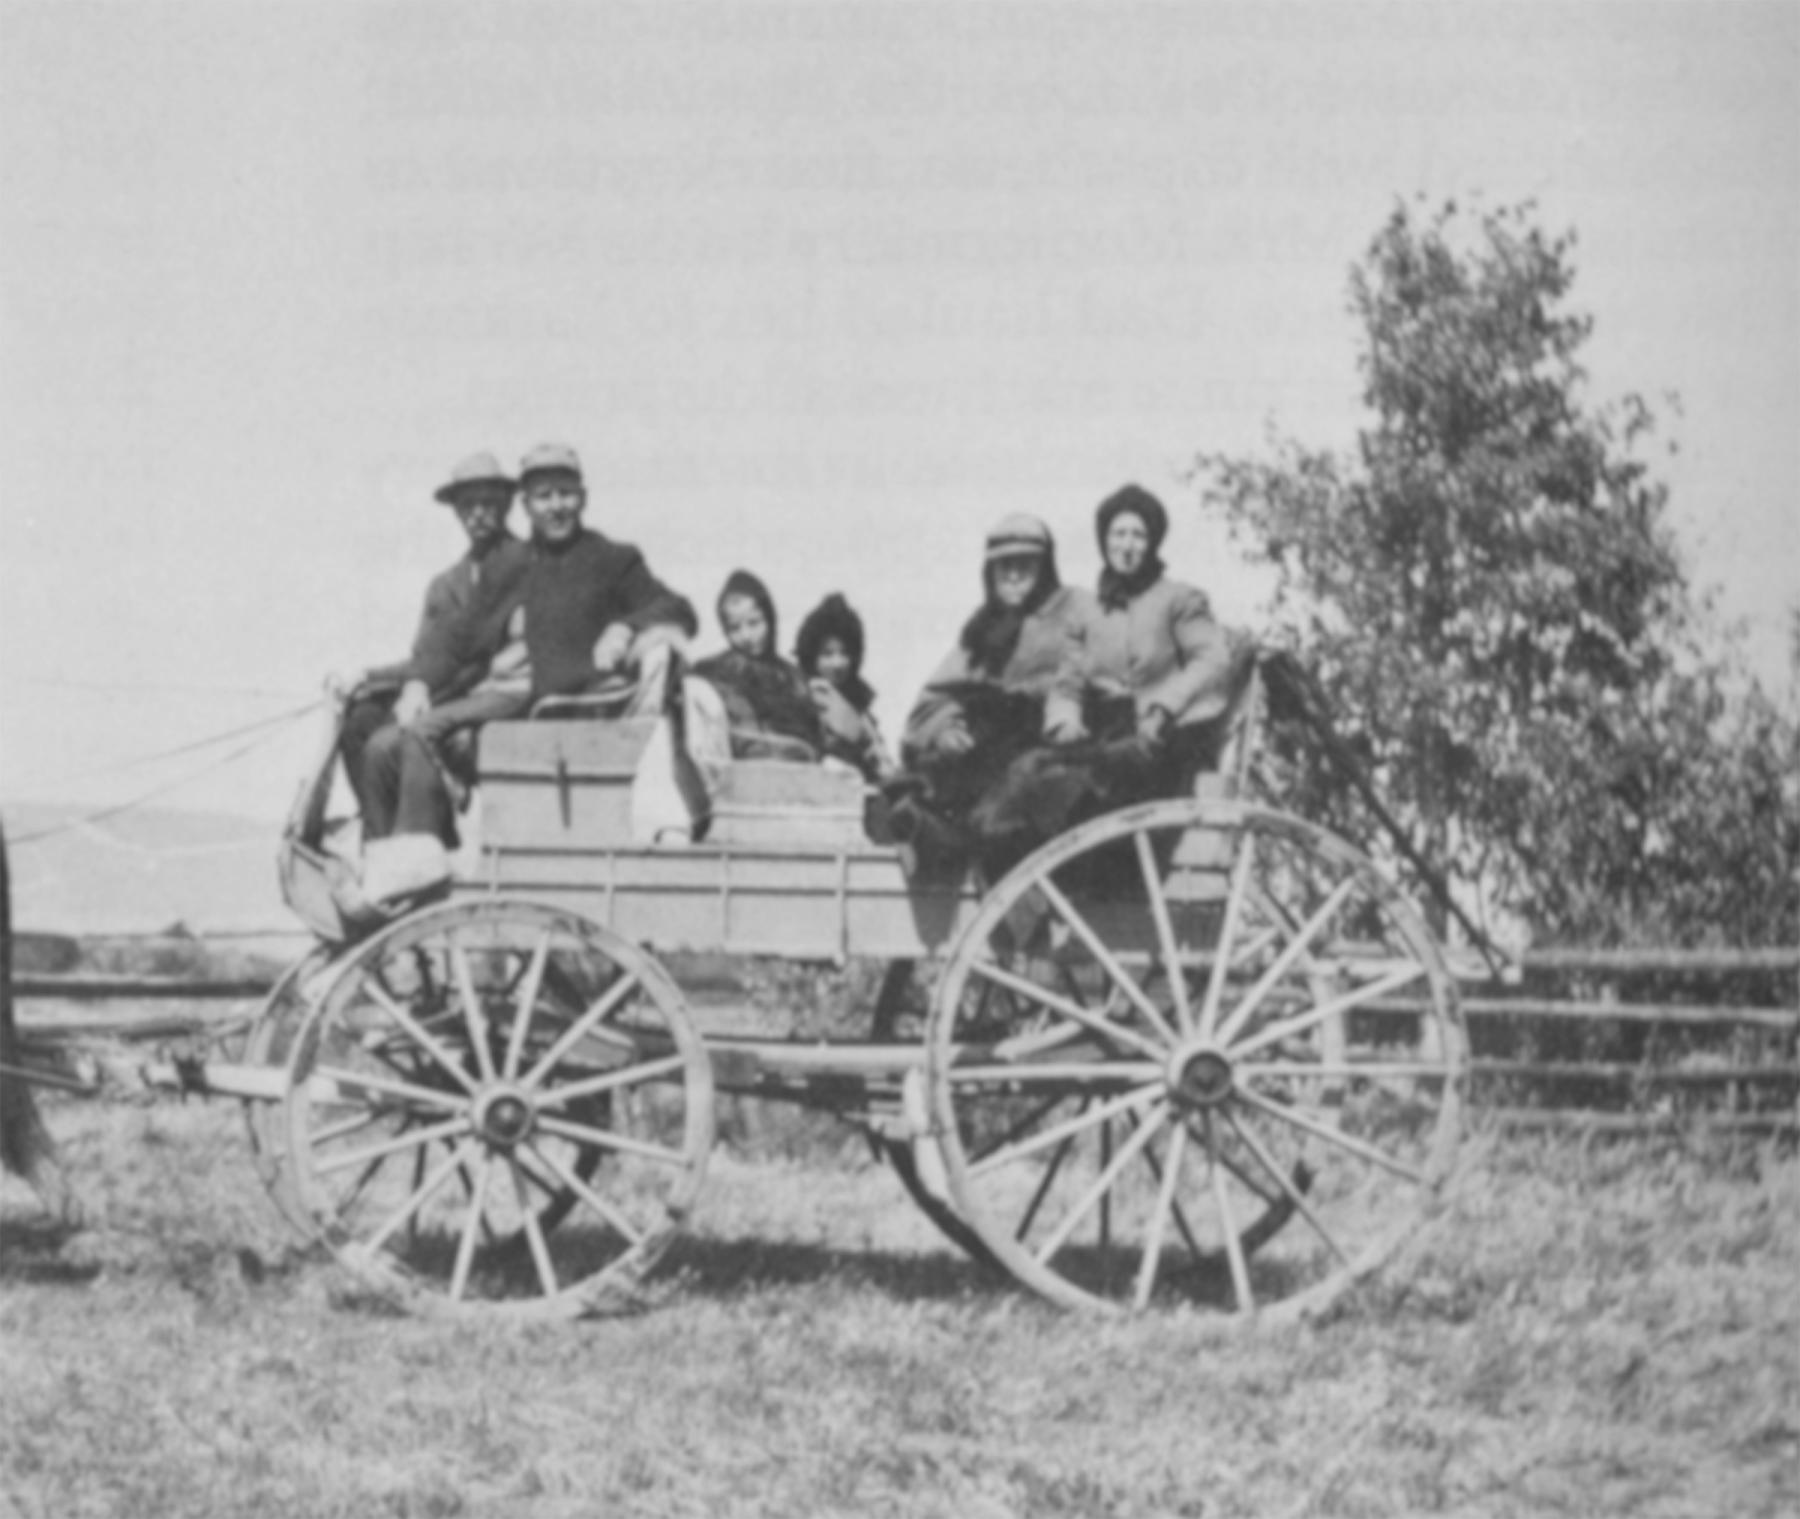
1489,596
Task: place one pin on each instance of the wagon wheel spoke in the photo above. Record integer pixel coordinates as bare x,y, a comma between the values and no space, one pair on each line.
1294,1195
1112,1073
421,1036
422,1194
1282,922
1104,957
1333,1136
526,1004
1013,1131
631,1075
1331,1008
1165,931
556,1200
1100,1187
1234,1249
632,1234
396,1053
534,1231
1234,907
1105,1211
1252,1183
1160,1215
1084,1120
418,1096
472,1011
1276,1210
378,976
607,1139
589,1022
1038,1040
418,1178
420,1138
473,1226
1020,986
345,1127
1296,946
1182,1227
354,1193
1042,1190
1254,944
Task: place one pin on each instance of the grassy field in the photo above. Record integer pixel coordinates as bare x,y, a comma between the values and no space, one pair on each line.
1608,1329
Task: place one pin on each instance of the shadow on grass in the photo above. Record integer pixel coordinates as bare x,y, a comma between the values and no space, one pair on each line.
704,1266
711,1267
31,1250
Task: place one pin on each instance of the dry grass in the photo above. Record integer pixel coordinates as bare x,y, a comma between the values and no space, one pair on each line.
1584,1331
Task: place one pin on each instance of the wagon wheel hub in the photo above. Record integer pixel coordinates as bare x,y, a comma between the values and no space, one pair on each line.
504,1117
1200,1078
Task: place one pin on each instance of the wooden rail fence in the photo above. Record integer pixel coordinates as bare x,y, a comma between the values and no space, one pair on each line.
1761,1093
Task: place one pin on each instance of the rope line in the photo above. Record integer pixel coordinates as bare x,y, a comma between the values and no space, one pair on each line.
192,747
171,688
102,813
171,851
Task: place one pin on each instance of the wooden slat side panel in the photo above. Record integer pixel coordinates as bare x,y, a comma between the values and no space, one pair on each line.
766,802
586,814
822,827
809,906
773,784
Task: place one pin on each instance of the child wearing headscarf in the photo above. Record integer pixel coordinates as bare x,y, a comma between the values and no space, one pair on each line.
767,701
830,651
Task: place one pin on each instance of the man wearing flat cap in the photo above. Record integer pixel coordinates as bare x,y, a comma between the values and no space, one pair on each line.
593,609
462,628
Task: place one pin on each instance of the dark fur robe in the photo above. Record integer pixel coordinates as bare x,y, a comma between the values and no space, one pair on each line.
763,696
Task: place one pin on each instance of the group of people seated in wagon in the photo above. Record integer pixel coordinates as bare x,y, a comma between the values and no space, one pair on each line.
1054,703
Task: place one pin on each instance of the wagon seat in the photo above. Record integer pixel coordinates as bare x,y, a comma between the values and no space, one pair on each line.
577,773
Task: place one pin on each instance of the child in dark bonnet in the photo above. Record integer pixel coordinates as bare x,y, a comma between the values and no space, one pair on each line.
830,650
767,700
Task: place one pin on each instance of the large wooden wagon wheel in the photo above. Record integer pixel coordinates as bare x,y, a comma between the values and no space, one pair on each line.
268,1044
1195,1050
499,1107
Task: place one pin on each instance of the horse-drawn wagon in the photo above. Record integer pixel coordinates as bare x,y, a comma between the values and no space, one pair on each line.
1193,1050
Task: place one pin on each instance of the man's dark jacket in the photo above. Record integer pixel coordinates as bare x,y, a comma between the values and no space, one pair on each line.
574,591
463,622
571,593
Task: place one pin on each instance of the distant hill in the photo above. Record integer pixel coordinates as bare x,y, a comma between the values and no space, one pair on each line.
141,872
200,873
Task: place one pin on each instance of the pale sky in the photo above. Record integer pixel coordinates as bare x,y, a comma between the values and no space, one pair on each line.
815,289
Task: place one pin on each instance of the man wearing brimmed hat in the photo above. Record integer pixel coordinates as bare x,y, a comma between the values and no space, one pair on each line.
593,609
462,627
